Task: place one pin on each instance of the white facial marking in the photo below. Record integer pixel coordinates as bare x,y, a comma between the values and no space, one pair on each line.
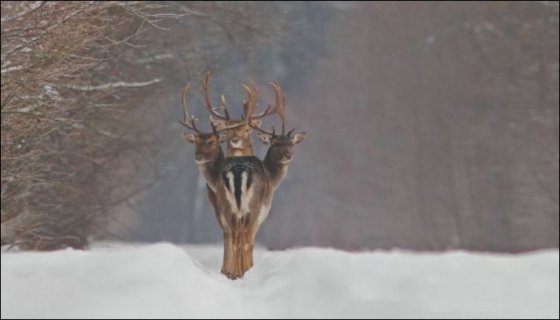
237,144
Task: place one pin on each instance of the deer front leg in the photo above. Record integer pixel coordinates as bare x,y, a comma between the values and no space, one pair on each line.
249,245
228,252
237,256
230,266
239,260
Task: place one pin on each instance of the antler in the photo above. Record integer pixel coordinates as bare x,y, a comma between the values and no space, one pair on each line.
188,121
268,111
262,130
208,104
233,126
279,108
249,104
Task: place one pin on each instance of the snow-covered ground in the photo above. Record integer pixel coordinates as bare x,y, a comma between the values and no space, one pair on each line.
166,281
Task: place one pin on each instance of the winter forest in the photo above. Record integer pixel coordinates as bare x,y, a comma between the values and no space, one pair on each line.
432,127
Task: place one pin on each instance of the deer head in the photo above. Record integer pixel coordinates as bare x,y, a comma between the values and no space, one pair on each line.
207,145
239,141
280,152
281,146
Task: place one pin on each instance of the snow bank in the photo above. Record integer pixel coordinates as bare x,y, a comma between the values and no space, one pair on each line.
166,281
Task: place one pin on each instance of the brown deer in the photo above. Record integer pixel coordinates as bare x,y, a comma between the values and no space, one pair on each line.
212,165
279,154
209,157
240,189
247,188
239,141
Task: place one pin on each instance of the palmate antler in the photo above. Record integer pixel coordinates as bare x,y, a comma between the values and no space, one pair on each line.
208,103
249,104
189,121
279,108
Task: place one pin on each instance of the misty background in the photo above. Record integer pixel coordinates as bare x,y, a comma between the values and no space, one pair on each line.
430,126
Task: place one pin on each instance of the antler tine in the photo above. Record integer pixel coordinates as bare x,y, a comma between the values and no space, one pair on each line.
269,110
290,132
280,107
223,106
208,103
188,121
249,104
233,126
262,130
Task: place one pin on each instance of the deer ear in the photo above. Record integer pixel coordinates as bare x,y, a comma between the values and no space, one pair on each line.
265,138
222,136
298,137
190,137
218,123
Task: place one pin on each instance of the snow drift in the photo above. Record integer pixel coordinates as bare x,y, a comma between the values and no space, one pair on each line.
166,281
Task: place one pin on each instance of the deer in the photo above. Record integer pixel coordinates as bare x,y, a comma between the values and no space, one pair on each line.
212,163
239,141
240,188
279,154
248,185
209,156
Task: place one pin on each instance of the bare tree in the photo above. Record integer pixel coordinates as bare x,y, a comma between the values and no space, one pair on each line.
78,79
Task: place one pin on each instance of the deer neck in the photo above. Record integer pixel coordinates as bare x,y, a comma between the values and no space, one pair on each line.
275,168
211,169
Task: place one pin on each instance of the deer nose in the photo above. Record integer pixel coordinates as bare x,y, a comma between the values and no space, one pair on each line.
235,139
198,157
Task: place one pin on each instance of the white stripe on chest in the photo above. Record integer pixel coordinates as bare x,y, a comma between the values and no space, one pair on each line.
246,194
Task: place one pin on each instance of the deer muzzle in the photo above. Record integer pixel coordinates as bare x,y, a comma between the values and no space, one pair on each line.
236,143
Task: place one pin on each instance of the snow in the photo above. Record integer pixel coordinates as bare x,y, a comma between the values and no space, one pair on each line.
167,281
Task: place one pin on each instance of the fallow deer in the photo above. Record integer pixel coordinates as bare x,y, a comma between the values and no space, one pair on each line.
279,154
240,189
248,186
209,157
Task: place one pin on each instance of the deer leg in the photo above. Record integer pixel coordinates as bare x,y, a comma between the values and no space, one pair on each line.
230,254
246,249
226,263
240,256
235,257
250,243
241,248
